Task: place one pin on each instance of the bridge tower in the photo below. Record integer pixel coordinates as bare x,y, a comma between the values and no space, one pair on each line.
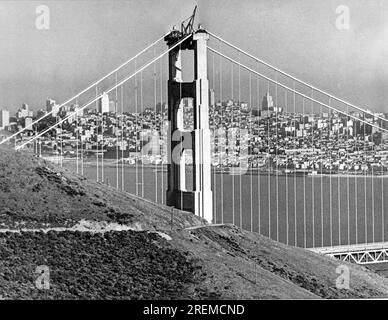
200,199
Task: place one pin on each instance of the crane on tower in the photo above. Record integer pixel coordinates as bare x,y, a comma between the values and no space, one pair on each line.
187,27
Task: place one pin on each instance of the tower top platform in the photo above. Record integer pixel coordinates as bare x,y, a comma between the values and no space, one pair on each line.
175,36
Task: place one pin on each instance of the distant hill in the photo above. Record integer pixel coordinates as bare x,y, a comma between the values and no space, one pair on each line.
102,243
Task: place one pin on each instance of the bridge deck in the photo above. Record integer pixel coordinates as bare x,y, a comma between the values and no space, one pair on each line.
370,253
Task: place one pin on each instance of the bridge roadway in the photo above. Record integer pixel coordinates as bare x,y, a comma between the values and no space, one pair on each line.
370,253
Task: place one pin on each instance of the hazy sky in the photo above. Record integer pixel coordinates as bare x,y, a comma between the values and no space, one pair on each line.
88,38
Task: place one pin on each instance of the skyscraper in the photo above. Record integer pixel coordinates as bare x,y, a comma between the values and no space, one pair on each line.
103,103
28,123
4,118
51,106
267,103
24,112
267,106
212,98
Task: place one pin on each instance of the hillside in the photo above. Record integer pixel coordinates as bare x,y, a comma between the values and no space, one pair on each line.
101,243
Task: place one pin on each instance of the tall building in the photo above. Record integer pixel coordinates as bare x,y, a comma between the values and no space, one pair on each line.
267,103
55,110
267,106
28,122
51,106
24,112
103,103
212,98
4,118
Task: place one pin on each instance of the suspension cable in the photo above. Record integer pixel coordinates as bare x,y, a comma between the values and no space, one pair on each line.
87,89
297,92
106,92
294,78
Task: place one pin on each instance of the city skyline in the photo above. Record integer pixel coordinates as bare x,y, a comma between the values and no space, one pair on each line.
107,105
278,139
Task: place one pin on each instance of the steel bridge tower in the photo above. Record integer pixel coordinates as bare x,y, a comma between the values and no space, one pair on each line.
200,199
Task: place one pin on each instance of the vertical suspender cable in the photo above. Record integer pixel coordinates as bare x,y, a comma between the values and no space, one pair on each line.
154,134
339,190
276,157
258,170
304,179
330,183
77,141
82,146
294,167
269,163
240,136
373,186
357,179
382,198
35,148
97,133
142,125
313,167
212,110
136,134
82,149
234,141
286,167
250,154
122,136
223,141
320,130
347,171
365,183
61,144
116,132
162,128
181,105
102,146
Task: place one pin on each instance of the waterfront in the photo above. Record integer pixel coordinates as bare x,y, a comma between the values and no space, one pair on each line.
354,206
